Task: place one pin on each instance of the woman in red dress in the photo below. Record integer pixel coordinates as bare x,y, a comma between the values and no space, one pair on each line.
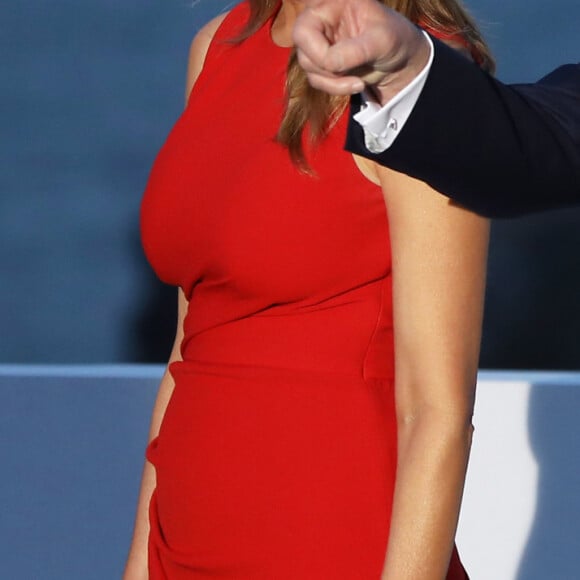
314,421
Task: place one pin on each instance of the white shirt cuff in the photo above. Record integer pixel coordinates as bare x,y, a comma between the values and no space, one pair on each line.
381,125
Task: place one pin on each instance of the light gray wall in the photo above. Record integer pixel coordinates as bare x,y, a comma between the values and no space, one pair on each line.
72,451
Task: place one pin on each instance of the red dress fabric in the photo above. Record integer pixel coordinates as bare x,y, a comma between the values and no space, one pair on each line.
276,457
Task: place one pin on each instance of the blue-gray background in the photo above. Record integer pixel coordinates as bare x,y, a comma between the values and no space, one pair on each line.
89,92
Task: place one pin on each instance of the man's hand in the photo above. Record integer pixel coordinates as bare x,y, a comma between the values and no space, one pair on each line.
345,45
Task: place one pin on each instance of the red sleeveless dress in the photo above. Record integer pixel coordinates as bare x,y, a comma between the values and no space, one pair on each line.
276,456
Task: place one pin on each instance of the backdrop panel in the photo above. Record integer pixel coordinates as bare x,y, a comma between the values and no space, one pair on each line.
73,441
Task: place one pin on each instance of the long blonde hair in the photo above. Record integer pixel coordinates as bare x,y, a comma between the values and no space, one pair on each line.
309,107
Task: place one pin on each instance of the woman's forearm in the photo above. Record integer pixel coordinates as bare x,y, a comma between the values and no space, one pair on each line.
136,566
433,453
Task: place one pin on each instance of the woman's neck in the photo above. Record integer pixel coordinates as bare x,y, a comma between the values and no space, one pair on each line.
284,22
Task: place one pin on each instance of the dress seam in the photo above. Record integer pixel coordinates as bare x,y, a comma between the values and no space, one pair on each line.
375,329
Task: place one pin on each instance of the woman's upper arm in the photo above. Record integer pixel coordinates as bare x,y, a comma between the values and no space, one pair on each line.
167,384
181,312
439,264
198,50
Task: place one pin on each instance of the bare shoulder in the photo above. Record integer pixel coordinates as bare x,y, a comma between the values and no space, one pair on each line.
198,50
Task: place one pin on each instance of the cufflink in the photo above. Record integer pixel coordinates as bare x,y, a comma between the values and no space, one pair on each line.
383,137
373,144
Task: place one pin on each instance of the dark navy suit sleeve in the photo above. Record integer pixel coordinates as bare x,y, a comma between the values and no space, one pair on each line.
500,150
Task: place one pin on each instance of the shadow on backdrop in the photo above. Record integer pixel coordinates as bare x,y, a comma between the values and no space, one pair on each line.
151,331
532,316
553,549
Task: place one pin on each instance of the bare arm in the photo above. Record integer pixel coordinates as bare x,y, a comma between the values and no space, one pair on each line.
198,51
439,264
136,567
